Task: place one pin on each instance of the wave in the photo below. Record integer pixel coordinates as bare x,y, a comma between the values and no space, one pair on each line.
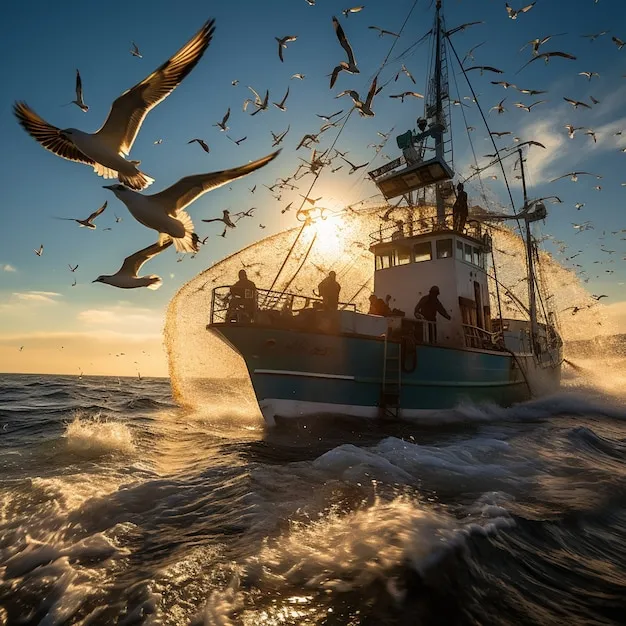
94,437
146,403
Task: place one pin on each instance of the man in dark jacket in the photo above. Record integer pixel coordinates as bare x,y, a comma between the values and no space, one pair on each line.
329,290
459,209
242,298
427,308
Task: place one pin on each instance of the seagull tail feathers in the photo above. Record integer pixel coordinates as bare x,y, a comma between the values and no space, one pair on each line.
157,282
136,180
188,243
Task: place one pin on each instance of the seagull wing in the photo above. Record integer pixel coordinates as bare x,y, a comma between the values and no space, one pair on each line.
345,44
372,92
187,189
96,213
79,87
129,110
132,264
50,137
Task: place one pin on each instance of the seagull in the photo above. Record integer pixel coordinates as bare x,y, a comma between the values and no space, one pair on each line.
281,105
503,83
286,208
126,277
484,68
329,117
470,54
531,92
311,200
499,108
576,103
571,130
298,76
73,269
105,150
158,142
278,138
618,42
79,102
592,134
203,144
364,108
406,94
546,56
350,65
593,37
222,125
500,133
530,106
261,105
234,83
353,167
282,43
574,176
598,298
593,100
537,43
346,12
382,31
40,251
589,75
135,50
87,223
513,13
164,211
406,72
225,219
117,219
237,141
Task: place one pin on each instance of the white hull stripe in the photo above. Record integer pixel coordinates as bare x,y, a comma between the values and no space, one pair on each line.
305,374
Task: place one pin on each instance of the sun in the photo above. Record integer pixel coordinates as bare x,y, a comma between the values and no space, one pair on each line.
329,231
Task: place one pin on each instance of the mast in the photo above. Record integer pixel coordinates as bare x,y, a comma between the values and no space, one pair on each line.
441,211
532,300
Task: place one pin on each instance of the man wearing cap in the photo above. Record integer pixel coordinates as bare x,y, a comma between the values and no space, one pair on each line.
427,308
329,290
459,209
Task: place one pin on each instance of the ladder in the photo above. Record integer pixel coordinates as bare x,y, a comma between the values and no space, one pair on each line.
392,380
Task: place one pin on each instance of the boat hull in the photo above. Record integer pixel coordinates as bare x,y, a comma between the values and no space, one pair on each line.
296,373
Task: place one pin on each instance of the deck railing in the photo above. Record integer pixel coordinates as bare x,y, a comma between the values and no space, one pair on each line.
425,226
229,308
476,337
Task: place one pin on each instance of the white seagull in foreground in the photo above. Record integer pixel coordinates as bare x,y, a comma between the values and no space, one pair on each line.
164,211
105,149
126,277
87,223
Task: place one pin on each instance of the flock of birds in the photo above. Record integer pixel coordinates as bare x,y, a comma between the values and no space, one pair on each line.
107,150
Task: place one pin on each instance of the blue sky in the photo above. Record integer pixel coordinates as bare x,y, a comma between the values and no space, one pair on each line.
43,43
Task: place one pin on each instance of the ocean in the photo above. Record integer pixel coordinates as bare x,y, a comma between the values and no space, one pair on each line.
119,507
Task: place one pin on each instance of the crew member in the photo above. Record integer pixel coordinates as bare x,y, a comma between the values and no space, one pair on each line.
242,298
459,209
427,308
329,290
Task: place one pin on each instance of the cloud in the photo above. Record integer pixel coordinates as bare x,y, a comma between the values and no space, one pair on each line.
7,267
123,319
43,297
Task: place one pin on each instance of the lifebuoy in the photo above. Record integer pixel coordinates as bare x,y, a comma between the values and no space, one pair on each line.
408,347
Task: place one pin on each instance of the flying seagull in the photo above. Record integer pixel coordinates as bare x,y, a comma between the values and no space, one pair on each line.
164,211
499,107
203,144
282,43
329,117
382,31
574,176
546,56
105,149
225,219
72,269
281,105
618,42
513,13
135,50
576,103
405,94
403,70
484,68
126,277
87,223
277,140
353,167
364,108
589,75
260,104
350,65
79,102
40,251
346,12
222,125
520,105
538,42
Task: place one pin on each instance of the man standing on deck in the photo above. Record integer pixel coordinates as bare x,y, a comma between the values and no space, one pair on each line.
459,209
329,290
242,298
427,308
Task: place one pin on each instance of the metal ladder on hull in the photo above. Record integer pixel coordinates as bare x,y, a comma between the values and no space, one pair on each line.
392,381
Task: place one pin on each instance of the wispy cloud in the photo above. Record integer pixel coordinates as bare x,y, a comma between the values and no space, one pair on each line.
121,318
43,297
7,267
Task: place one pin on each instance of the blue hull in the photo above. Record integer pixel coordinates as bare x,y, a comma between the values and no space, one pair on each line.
347,371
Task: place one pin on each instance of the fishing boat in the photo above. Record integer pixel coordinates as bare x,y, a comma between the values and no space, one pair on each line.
309,357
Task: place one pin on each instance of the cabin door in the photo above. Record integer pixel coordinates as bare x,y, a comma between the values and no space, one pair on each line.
480,316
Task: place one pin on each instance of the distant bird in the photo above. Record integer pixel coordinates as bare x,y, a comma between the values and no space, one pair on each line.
164,211
354,168
589,75
470,54
499,108
203,144
234,83
225,219
222,125
533,143
571,130
350,65
576,103
578,206
364,108
281,105
598,298
105,149
135,50
592,134
282,43
237,141
574,176
593,100
329,117
484,68
258,102
406,72
382,31
158,142
495,133
531,92
503,83
72,269
519,105
513,13
286,208
299,76
40,251
537,43
546,56
618,42
117,219
87,223
278,138
346,12
126,277
311,3
311,201
594,36
406,94
79,102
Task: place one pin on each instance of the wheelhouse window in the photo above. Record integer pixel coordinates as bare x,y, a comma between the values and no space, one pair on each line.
459,250
468,253
383,261
402,256
444,248
423,251
476,256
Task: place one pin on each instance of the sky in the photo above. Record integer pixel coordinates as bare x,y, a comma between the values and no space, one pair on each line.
49,325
